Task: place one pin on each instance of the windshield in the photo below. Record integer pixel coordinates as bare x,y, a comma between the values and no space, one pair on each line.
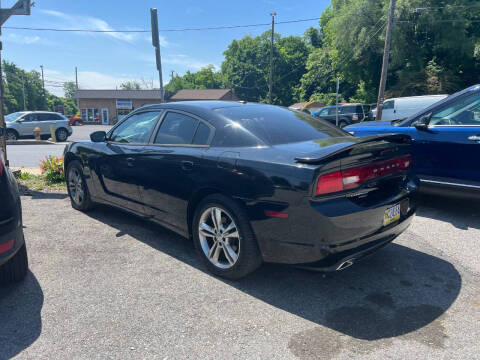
13,116
276,125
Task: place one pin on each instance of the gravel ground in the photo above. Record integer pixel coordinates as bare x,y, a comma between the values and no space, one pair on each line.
108,285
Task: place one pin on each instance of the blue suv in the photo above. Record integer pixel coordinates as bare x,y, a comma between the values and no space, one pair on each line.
446,141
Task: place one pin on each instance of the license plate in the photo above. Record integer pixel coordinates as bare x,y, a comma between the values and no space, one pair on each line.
391,214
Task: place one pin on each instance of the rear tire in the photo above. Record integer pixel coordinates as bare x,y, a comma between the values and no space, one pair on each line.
76,123
16,268
61,135
342,124
77,187
245,257
12,135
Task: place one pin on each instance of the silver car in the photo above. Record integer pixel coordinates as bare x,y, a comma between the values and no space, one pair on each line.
22,125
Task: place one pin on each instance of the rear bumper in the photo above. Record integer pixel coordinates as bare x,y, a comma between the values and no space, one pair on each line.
323,234
7,251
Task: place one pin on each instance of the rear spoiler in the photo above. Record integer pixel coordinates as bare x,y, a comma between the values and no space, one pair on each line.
394,138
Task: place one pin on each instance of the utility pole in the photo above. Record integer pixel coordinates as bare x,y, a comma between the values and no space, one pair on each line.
386,57
76,86
21,7
156,44
43,88
23,91
270,80
336,102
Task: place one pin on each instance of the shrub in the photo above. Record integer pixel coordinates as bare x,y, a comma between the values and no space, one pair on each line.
52,168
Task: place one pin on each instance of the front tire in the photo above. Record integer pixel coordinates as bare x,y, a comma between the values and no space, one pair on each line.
77,187
12,135
16,268
224,238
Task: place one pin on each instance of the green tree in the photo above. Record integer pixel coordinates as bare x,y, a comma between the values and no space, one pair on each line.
69,89
131,85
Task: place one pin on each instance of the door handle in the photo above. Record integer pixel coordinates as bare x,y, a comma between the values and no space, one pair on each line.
474,138
187,165
130,162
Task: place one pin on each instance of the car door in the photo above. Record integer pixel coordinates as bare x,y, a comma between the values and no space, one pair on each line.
172,166
27,124
44,120
449,149
117,165
388,112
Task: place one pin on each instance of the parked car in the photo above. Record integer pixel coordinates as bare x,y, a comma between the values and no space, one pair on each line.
13,252
403,107
75,121
446,141
347,114
22,124
249,183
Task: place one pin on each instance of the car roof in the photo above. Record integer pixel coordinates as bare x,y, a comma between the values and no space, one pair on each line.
198,104
418,97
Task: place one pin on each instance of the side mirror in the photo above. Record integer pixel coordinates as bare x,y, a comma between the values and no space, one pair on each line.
422,123
20,120
1,131
98,136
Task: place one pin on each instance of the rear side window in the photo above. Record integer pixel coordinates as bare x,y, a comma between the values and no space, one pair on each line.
177,129
275,125
202,135
348,110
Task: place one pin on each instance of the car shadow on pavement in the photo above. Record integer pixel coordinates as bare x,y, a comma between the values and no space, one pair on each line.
460,212
20,315
395,292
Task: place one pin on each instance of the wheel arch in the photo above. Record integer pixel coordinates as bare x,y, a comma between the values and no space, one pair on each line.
198,196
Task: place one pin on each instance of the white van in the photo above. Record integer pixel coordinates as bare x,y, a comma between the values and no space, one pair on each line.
403,107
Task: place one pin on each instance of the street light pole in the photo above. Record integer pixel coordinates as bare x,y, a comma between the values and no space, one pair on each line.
270,80
43,88
156,44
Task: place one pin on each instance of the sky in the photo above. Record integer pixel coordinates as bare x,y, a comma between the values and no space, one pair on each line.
105,60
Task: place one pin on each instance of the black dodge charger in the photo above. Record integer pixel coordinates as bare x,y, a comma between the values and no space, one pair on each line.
250,183
13,253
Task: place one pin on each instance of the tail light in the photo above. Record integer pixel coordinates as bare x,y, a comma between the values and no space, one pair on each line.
355,117
354,177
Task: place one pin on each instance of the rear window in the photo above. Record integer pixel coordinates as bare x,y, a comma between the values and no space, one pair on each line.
350,109
275,125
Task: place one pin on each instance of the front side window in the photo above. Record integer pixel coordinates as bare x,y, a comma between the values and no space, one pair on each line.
390,104
324,112
176,129
136,129
463,111
30,118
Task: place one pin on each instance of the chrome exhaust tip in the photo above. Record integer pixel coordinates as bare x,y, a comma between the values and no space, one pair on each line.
345,264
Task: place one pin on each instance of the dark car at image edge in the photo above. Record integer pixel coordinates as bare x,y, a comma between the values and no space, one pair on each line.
13,252
250,183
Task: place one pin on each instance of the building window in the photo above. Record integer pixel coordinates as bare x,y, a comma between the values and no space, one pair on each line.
124,107
90,115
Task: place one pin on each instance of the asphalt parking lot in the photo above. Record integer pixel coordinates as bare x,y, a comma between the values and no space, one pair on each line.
108,285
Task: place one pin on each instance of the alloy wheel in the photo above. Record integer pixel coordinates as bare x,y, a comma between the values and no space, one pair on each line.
75,185
219,237
61,135
11,135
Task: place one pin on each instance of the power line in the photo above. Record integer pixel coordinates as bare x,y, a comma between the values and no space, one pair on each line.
161,30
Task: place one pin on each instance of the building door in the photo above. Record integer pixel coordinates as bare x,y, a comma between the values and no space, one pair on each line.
105,120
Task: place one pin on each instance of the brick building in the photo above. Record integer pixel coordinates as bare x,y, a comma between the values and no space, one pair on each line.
109,106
